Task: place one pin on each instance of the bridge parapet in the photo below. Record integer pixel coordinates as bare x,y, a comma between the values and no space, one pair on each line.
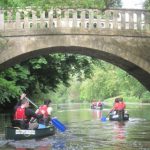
117,19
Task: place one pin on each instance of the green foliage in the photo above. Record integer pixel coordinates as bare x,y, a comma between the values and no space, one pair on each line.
109,81
46,4
44,74
8,90
147,4
69,78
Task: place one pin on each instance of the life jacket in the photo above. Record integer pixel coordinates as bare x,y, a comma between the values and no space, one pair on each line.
20,114
116,106
43,111
124,105
120,106
99,104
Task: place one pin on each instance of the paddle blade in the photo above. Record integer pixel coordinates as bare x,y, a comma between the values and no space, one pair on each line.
58,125
103,119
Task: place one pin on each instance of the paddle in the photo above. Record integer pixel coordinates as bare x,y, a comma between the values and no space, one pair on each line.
31,102
54,121
58,124
103,119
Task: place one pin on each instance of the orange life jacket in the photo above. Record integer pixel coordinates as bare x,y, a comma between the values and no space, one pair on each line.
43,111
122,105
119,106
116,106
20,114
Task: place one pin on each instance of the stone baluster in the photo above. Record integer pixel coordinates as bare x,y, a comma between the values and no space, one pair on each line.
115,22
42,20
66,18
26,20
142,20
34,19
147,21
9,14
58,18
74,18
83,19
122,19
18,21
50,18
131,21
91,16
99,19
1,20
107,19
138,20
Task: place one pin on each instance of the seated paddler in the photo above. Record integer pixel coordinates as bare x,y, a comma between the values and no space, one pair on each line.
23,114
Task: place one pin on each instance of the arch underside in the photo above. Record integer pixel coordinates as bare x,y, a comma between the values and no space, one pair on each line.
140,74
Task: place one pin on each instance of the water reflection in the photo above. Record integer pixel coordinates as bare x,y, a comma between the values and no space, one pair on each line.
96,114
44,144
119,130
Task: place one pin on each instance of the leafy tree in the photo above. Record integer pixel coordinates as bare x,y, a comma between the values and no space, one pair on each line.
8,90
110,81
147,4
44,74
46,4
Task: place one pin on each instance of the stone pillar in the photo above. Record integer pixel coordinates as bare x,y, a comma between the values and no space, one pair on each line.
34,19
122,19
18,21
75,18
138,20
115,21
50,18
91,16
107,19
99,19
83,19
42,20
26,20
58,18
131,21
147,21
67,18
1,20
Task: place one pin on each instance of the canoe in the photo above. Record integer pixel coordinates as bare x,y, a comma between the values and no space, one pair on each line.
118,117
12,133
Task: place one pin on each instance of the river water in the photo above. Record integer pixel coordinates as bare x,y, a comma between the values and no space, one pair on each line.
85,131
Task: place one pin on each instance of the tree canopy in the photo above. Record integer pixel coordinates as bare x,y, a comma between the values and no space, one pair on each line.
102,4
43,74
147,4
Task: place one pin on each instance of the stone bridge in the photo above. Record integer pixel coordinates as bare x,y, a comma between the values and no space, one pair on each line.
118,36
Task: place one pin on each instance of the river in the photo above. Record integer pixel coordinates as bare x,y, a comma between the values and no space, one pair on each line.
85,131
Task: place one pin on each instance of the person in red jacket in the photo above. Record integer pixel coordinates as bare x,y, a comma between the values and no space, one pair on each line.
122,105
23,114
46,111
119,107
119,104
115,106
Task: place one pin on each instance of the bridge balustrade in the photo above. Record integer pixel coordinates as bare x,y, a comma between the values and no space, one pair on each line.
118,19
